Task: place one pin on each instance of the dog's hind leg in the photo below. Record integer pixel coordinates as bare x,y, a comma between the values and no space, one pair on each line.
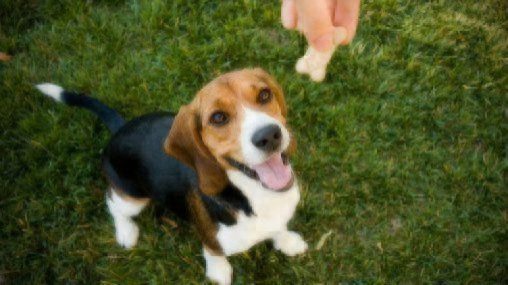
123,208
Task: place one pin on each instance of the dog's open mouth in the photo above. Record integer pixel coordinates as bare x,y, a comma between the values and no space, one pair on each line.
275,173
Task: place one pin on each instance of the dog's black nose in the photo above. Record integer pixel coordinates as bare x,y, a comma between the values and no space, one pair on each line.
268,138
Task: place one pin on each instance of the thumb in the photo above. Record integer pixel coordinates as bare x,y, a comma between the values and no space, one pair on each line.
315,21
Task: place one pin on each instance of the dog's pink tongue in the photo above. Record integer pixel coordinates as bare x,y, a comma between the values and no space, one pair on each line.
273,173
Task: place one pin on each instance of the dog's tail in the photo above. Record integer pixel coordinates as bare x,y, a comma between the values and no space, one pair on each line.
110,117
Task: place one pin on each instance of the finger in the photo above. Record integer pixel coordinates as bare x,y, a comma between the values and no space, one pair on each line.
315,20
346,15
288,14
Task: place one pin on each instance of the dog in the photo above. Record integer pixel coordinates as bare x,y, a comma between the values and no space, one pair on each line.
222,162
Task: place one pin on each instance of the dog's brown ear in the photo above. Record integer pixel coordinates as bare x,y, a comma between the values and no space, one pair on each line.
185,144
183,140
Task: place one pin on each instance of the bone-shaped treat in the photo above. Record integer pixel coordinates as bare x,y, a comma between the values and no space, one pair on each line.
314,62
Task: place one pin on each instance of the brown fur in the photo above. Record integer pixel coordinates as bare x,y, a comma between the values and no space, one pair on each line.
126,197
206,228
185,144
203,146
227,93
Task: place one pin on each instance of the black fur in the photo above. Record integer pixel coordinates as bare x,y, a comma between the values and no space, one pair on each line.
134,162
110,117
223,206
243,168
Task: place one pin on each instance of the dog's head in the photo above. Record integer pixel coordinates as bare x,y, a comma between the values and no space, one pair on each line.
237,121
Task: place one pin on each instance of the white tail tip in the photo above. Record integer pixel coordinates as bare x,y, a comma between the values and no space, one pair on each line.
52,90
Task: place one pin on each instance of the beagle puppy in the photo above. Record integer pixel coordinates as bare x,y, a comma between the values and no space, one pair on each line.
221,162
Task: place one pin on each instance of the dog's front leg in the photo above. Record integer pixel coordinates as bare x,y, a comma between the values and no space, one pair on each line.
289,242
218,268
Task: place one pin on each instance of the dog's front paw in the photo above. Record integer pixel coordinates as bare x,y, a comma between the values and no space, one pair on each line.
290,243
218,270
127,233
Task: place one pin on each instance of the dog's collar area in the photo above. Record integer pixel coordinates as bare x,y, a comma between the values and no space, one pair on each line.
249,172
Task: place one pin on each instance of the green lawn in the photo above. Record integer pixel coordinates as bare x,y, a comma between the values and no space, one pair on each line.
403,151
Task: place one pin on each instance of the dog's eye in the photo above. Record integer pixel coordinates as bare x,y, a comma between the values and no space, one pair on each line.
264,96
219,118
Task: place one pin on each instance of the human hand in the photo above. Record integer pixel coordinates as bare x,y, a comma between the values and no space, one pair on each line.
318,19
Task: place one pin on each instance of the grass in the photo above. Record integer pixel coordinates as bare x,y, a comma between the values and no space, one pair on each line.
402,151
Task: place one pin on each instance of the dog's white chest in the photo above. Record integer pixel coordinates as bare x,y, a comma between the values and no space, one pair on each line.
272,211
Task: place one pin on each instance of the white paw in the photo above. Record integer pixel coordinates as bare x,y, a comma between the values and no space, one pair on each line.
290,243
127,234
219,271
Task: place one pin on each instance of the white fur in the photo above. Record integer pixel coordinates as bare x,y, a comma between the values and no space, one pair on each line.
314,62
290,243
272,211
52,90
252,121
127,232
218,268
